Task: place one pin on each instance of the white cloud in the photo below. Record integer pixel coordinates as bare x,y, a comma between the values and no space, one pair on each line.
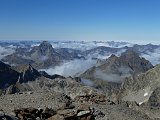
71,68
85,45
153,57
87,82
106,77
6,51
105,55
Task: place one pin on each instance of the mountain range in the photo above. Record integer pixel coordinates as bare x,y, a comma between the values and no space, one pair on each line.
47,55
115,68
42,56
142,88
124,84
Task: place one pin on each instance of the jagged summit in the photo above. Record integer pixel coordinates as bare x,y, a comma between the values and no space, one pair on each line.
13,78
28,73
43,56
45,43
45,47
23,73
113,56
137,63
117,68
24,67
129,53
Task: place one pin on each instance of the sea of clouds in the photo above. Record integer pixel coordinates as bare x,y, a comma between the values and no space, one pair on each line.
76,67
85,45
4,51
153,57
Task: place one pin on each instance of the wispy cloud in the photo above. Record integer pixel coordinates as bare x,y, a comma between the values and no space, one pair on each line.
71,68
153,57
6,51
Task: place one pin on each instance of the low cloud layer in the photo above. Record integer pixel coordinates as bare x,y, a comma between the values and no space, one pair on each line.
153,57
85,45
113,76
5,51
71,68
87,82
107,77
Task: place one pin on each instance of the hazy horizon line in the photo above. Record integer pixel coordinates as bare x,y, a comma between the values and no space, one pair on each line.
142,42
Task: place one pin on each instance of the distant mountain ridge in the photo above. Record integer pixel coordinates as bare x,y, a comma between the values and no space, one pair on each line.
42,56
48,55
115,68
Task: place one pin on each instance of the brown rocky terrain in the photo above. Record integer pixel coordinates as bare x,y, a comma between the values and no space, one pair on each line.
66,99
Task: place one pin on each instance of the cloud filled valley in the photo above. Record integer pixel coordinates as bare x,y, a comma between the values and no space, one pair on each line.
44,74
71,68
94,53
6,51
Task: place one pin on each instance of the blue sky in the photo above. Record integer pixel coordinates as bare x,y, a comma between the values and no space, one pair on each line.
119,20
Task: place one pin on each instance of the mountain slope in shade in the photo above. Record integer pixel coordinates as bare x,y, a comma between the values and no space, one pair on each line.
27,73
20,74
8,76
115,69
135,62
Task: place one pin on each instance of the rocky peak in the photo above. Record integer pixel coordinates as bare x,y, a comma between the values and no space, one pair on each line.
130,54
45,44
116,69
112,58
24,68
28,73
137,63
45,47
